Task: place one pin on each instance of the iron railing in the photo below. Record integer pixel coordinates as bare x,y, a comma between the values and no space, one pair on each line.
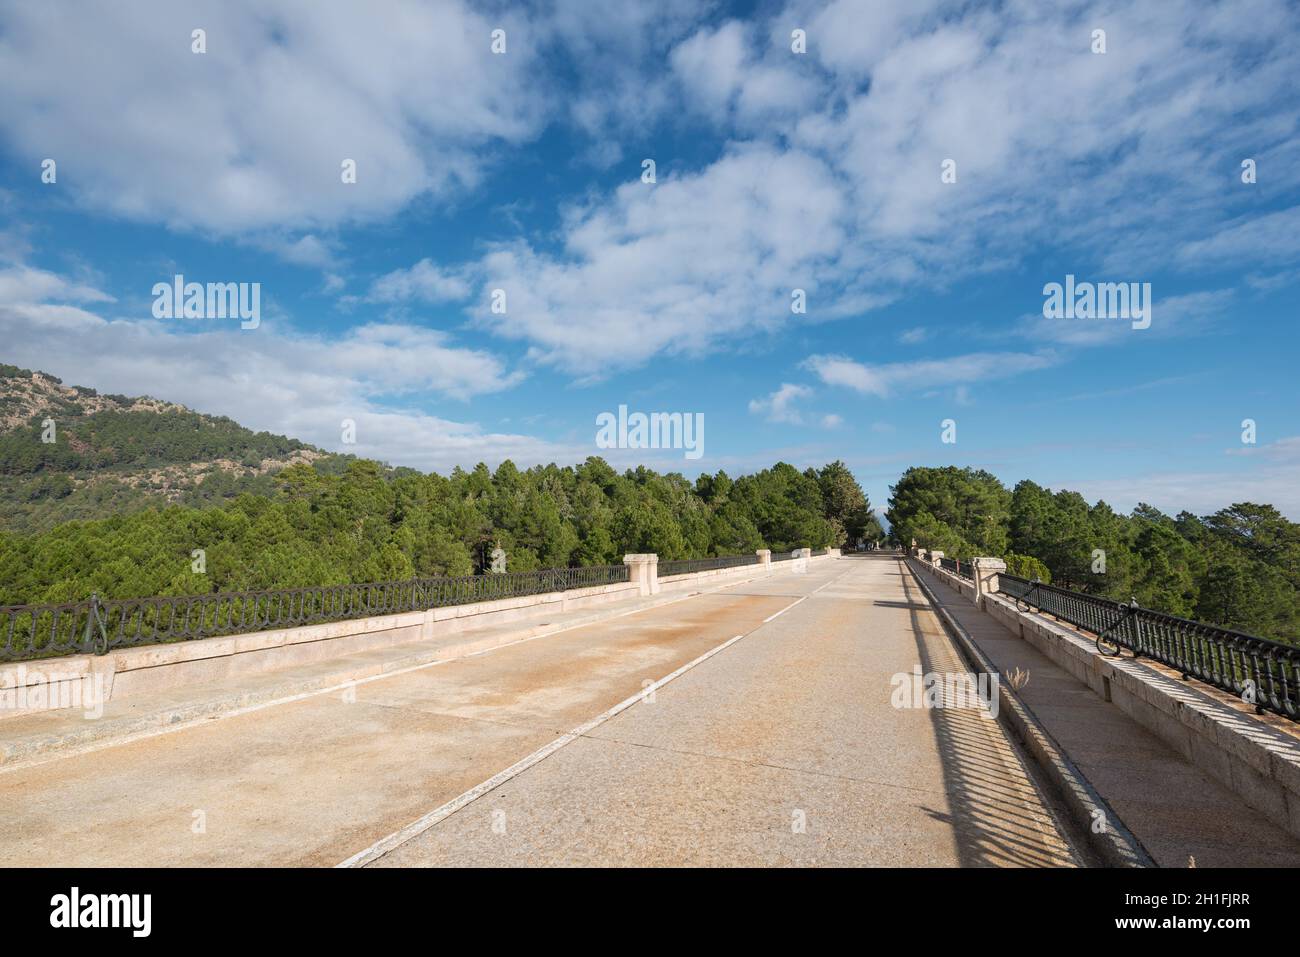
958,567
782,556
1262,672
818,551
99,625
685,566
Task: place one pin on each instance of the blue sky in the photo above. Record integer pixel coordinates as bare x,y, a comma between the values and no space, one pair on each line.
775,170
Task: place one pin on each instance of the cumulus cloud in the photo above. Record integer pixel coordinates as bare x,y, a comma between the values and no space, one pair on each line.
779,406
839,192
679,267
251,135
826,177
724,71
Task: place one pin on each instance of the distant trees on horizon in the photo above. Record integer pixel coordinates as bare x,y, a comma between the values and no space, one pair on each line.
1238,568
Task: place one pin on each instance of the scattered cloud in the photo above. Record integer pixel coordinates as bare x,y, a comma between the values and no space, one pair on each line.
779,406
424,282
889,378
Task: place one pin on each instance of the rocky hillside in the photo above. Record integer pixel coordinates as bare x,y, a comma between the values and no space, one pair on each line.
114,453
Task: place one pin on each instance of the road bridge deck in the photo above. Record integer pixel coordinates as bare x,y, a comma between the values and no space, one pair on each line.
789,725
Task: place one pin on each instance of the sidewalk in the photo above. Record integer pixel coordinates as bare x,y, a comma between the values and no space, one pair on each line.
1174,809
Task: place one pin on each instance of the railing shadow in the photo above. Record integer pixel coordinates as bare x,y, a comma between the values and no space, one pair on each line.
989,808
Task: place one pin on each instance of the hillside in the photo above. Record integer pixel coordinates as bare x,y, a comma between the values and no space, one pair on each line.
113,454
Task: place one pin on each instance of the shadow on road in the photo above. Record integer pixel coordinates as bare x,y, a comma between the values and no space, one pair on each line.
989,794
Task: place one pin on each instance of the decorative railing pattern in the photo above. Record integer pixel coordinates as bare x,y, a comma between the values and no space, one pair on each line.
1263,672
100,625
782,556
958,567
685,566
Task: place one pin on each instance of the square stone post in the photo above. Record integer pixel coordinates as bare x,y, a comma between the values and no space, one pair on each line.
644,571
985,572
934,558
764,556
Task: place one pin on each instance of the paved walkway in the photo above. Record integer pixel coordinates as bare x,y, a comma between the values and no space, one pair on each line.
1175,810
781,748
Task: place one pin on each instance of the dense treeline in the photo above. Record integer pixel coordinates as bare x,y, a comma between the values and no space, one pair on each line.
1239,567
370,523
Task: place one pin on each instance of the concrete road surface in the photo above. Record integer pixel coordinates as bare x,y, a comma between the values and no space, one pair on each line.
782,748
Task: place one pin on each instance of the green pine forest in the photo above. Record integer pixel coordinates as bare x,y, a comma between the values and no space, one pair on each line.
130,488
1238,568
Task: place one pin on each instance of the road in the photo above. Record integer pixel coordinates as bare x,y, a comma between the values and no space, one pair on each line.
774,743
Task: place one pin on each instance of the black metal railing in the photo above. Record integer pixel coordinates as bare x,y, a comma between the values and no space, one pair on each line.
958,567
685,566
818,551
100,625
782,556
1263,672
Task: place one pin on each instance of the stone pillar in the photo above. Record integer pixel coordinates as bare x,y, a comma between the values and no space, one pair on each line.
834,552
764,555
985,572
644,571
934,558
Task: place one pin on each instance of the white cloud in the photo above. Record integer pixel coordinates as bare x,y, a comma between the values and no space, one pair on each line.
779,406
681,267
710,64
309,250
827,176
1283,450
1255,240
1032,118
885,379
21,283
1187,314
832,421
303,386
252,134
425,281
